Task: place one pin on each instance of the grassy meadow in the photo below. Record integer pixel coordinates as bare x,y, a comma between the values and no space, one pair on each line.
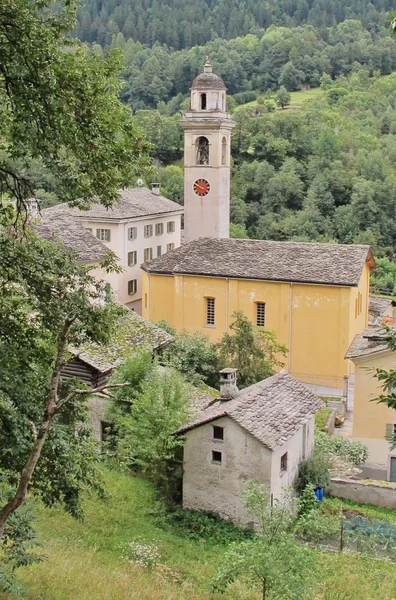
85,560
297,98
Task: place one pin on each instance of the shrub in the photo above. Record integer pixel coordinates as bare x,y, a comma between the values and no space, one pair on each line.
200,525
317,526
314,471
308,500
143,554
354,452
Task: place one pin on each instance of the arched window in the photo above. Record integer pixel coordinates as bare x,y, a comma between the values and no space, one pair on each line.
203,101
224,151
202,151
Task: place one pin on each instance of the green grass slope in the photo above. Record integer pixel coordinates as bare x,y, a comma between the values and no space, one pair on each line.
85,559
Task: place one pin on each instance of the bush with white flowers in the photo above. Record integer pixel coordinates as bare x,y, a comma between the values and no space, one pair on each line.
143,554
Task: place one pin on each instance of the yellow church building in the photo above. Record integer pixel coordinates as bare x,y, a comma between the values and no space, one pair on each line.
313,296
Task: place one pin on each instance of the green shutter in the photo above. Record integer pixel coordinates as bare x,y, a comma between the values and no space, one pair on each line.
98,234
389,432
107,235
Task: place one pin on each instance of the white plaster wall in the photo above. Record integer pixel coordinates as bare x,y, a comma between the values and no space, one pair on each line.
217,487
120,245
298,448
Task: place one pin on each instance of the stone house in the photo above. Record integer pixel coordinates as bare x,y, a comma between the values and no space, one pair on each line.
379,308
141,225
95,363
260,433
373,423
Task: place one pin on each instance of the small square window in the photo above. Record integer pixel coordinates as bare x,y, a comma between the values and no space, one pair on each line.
260,314
283,463
132,233
132,287
148,231
218,433
170,247
148,254
159,229
170,227
216,456
132,258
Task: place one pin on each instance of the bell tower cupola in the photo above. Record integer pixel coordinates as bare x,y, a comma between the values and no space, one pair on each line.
207,152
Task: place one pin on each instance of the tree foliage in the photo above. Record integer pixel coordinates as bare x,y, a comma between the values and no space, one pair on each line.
283,568
254,351
59,108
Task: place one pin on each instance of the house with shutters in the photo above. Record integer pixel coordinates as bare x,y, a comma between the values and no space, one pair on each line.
95,363
142,225
260,433
373,424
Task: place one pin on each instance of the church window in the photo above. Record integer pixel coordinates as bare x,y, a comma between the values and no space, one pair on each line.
210,311
224,151
260,314
203,101
202,151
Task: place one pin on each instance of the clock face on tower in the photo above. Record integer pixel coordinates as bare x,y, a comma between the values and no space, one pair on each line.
201,187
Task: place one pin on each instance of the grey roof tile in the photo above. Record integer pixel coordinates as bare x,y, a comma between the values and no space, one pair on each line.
332,264
66,230
272,410
131,333
133,202
371,341
379,306
208,81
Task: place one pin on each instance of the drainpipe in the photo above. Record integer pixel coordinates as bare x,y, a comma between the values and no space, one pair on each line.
290,326
227,303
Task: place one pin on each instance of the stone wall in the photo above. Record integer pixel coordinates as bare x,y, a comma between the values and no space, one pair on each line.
379,493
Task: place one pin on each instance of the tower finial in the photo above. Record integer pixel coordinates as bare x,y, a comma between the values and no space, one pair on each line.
207,66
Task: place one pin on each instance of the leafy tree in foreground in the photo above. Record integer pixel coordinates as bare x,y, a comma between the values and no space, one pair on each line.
47,301
284,568
254,351
59,107
387,379
145,422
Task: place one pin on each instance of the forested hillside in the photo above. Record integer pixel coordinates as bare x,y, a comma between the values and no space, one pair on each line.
185,23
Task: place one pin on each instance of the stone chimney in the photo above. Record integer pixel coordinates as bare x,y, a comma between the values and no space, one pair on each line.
228,384
155,188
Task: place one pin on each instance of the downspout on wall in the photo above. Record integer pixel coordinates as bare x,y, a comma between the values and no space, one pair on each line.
289,336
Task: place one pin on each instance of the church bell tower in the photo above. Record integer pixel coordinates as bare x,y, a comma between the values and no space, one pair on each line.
207,152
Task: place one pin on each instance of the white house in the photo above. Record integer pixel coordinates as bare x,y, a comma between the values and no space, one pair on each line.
140,226
260,433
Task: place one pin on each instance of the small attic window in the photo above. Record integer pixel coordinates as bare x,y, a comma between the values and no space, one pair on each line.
203,101
218,432
283,462
216,457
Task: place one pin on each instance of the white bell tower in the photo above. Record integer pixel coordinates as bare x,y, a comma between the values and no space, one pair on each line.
207,152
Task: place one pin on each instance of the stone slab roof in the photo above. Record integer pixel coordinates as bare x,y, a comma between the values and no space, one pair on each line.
133,203
272,410
131,333
208,81
65,229
379,306
371,341
332,264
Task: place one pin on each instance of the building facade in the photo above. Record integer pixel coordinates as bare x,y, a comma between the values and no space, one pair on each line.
313,296
207,155
373,424
140,226
262,434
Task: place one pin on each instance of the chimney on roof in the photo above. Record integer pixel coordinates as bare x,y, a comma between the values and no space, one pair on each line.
228,384
155,188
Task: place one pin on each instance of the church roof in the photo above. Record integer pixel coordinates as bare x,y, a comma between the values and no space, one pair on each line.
132,203
304,262
272,410
208,80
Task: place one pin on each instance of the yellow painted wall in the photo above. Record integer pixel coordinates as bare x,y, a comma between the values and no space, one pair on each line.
369,418
316,322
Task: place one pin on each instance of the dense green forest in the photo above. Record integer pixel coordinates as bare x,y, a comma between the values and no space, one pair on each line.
186,23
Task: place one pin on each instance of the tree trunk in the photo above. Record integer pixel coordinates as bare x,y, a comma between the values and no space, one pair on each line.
264,589
30,465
